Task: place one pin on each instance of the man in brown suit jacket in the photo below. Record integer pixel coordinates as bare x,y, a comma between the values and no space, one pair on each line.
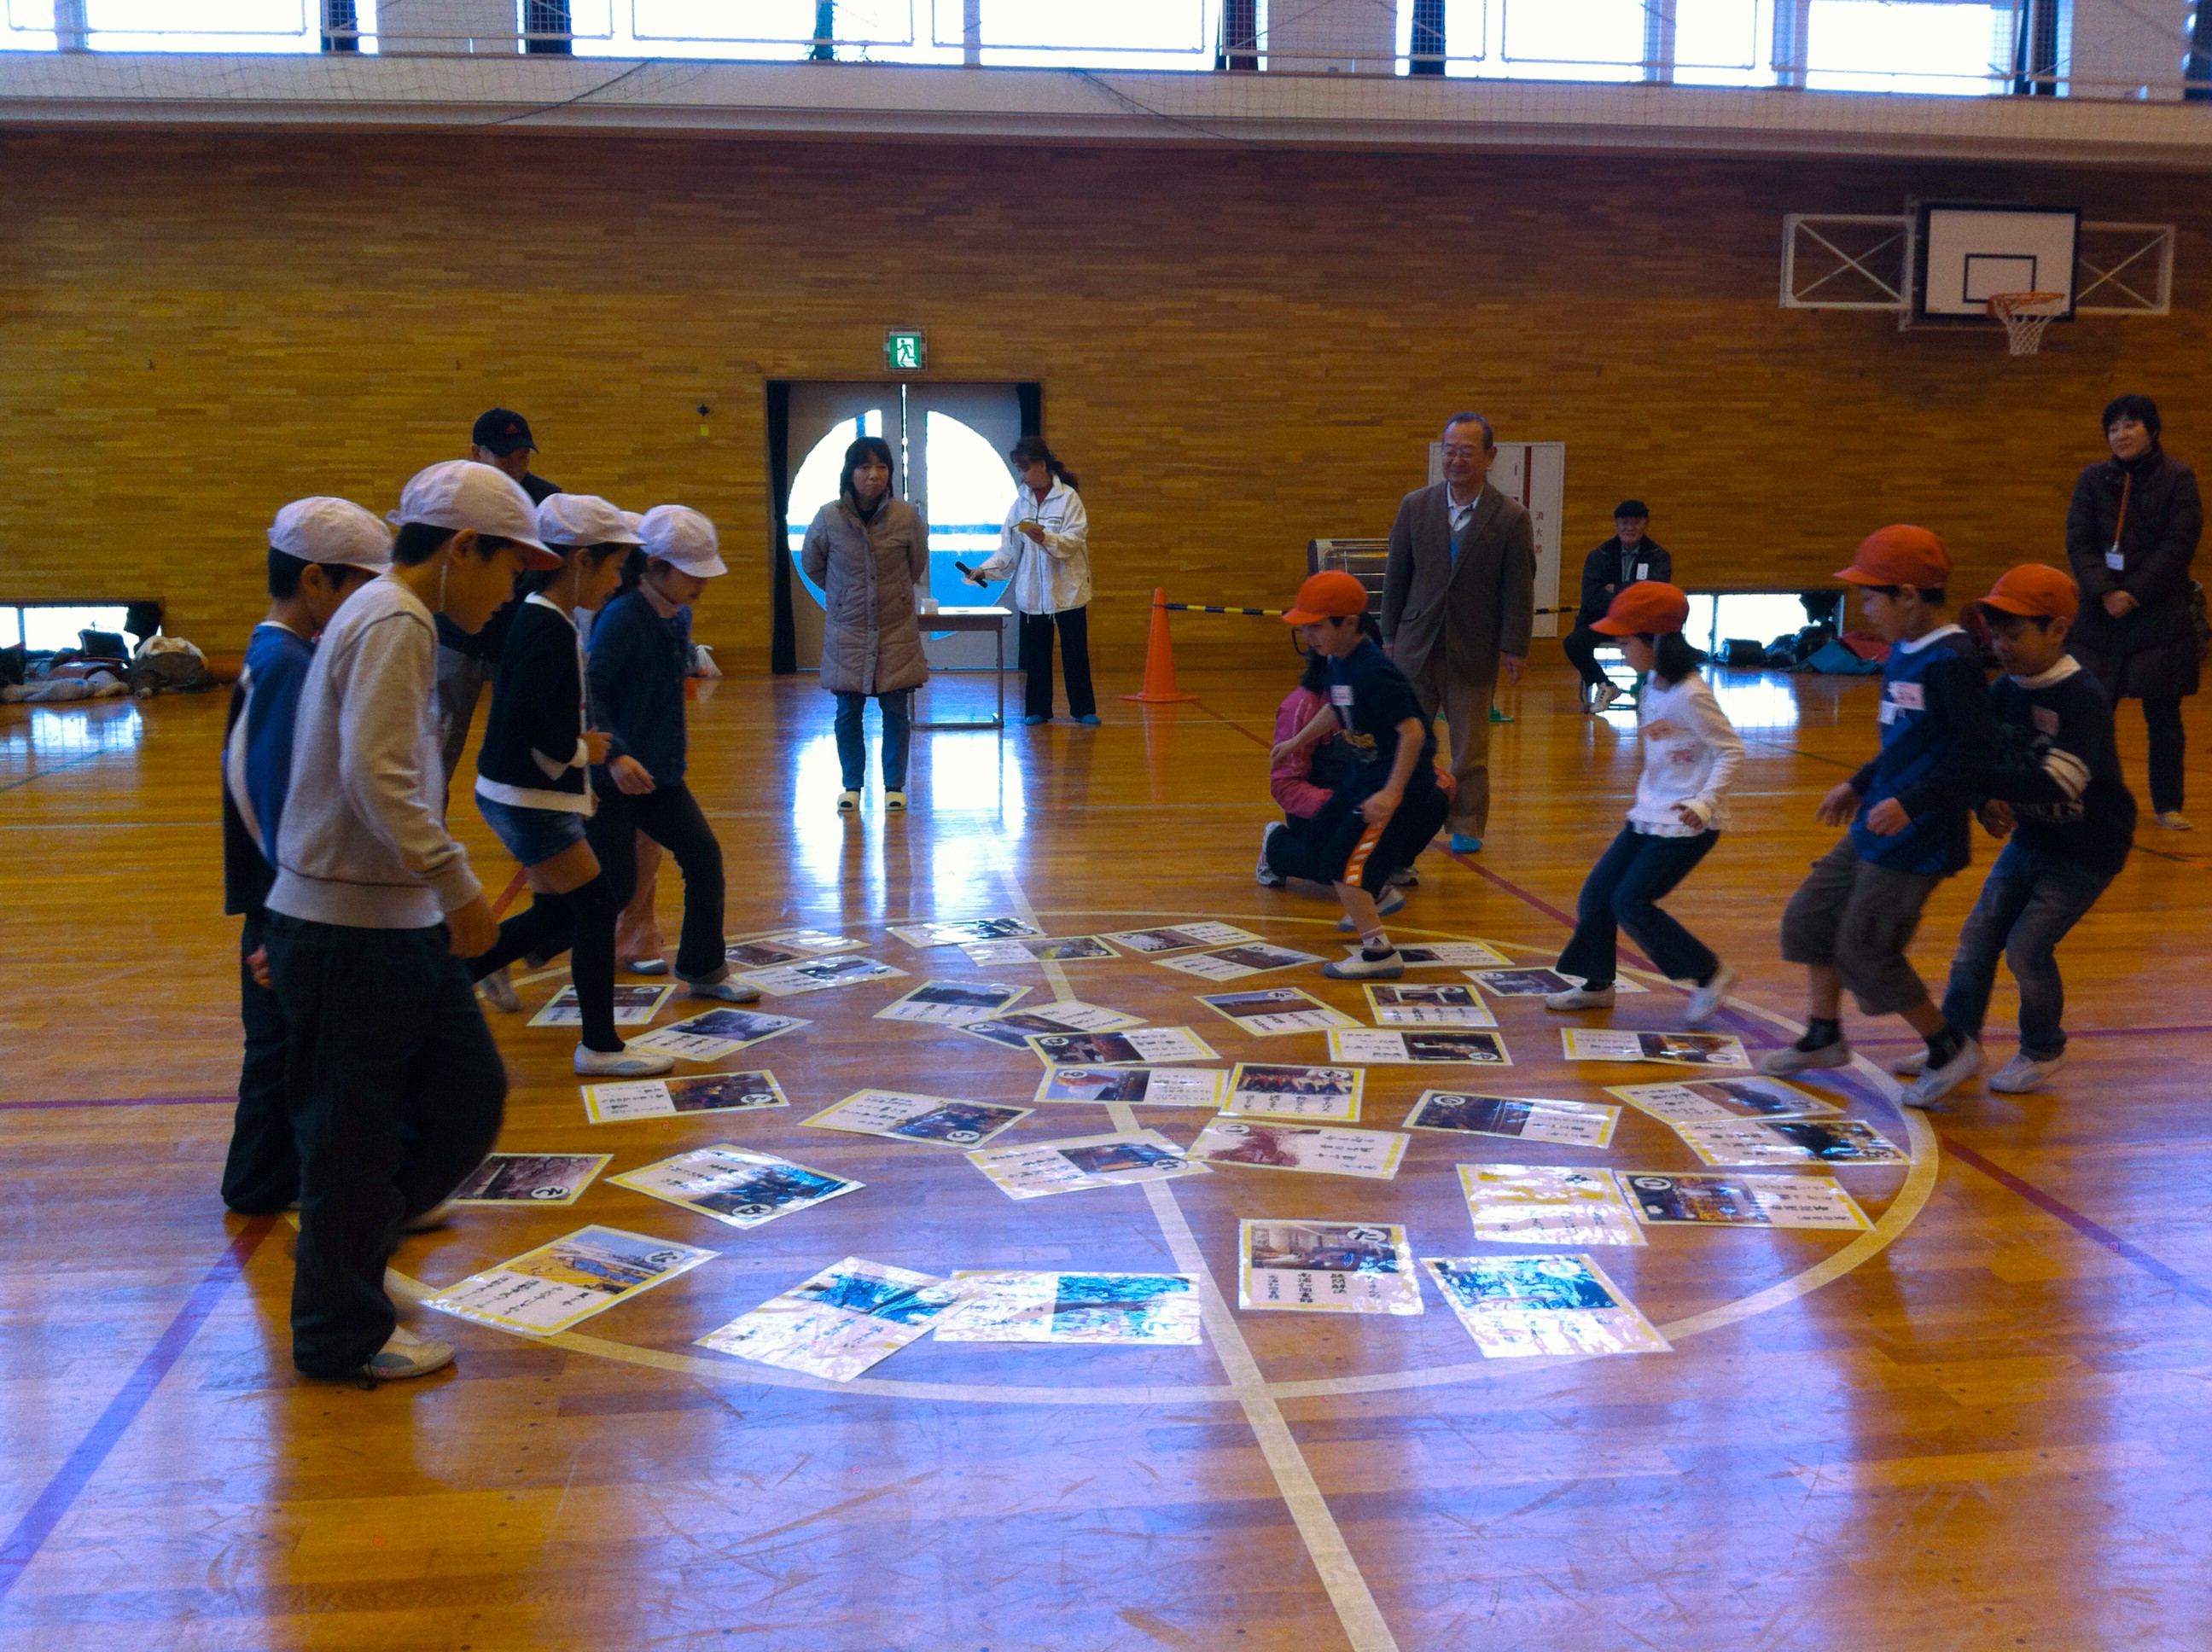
1458,598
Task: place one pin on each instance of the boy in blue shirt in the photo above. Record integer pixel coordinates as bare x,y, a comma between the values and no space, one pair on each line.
321,550
1851,919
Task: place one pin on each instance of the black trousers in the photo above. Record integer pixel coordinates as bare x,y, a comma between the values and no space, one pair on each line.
2168,747
670,816
396,1092
1338,846
1074,626
261,1172
1580,645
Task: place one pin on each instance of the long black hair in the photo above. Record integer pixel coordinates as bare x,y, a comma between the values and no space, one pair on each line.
1673,658
1031,450
863,449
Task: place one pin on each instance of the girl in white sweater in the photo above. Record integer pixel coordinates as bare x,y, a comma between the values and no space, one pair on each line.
1689,756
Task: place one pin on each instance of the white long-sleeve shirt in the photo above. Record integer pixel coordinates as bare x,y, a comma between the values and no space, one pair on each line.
1051,577
1691,754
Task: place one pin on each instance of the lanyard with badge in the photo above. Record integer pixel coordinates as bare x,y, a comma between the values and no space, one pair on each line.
2113,559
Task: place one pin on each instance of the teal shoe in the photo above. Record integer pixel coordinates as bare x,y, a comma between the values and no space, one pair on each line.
1090,720
1462,844
1034,719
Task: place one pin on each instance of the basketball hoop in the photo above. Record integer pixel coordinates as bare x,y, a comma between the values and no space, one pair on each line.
2025,316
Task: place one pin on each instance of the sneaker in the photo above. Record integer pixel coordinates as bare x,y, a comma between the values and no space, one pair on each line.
499,991
432,1219
1580,997
1780,1064
1266,876
1034,719
848,802
1935,1082
1360,967
648,966
1497,716
1089,720
1604,697
624,1063
1706,1001
728,990
1389,901
2173,820
1461,843
405,1354
1404,878
2024,1073
1908,1064
893,803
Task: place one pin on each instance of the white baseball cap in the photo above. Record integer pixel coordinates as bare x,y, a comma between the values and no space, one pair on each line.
458,493
584,519
684,539
332,531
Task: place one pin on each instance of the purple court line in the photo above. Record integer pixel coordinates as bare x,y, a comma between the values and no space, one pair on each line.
69,1481
2095,1232
118,1100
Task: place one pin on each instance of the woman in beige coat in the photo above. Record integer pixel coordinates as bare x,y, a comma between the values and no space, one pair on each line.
868,551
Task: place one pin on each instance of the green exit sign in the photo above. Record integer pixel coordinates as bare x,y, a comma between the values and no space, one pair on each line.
906,350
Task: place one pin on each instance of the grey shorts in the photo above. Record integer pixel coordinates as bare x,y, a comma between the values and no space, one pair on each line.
1859,918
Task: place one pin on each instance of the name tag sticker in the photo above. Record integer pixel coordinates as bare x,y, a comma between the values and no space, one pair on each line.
1339,694
1886,713
1644,570
1909,696
2114,560
2046,720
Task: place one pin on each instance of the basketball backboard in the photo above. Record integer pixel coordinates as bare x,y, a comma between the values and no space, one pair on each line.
1968,253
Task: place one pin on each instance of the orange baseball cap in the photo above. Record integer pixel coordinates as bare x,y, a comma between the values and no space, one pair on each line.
1332,594
2034,591
1646,608
1899,555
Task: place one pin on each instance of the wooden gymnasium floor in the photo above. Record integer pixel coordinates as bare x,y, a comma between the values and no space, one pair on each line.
1979,1425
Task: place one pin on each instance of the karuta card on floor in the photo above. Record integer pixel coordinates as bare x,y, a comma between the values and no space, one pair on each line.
1265,1089
1180,938
1066,949
1523,1118
1205,1087
903,1117
1235,962
1326,1267
734,1185
1111,1309
922,937
1733,1199
810,943
716,1035
530,1179
1312,1149
635,1007
1537,983
1035,1169
838,1322
761,955
1273,1011
1485,1049
1790,1141
1427,1003
1516,1307
1683,1049
817,974
952,1003
1427,955
661,1098
1137,1047
553,1287
1546,1205
1063,1014
1712,1099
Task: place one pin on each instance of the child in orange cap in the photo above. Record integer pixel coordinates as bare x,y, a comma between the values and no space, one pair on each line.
2056,787
1690,755
1852,919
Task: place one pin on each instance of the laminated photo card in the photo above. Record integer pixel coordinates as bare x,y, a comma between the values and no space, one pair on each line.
1537,983
808,942
1271,1012
1115,1310
838,1322
1034,1169
819,975
1235,962
553,1287
902,1117
530,1178
762,954
1066,949
951,1003
716,1035
1444,954
1485,1049
1180,938
1516,1307
635,1007
1427,1003
1712,1099
922,937
1262,1090
1205,1087
1546,1205
1138,1047
1316,1150
734,1185
1523,1118
1063,1014
662,1098
1733,1199
1683,1049
1326,1267
1790,1141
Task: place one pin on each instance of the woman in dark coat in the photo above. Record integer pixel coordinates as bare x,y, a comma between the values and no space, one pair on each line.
2130,534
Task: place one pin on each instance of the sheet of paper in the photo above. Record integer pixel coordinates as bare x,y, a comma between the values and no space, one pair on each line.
661,1098
553,1287
1790,1141
1068,948
1316,1150
1271,1012
1516,1307
1123,1310
1733,1199
1524,1118
635,1007
1427,1003
1442,954
1546,1205
838,1322
1137,1047
1063,1015
761,955
717,1035
817,974
1724,1098
1485,1049
813,943
1263,1090
1207,1087
735,1185
530,1179
1180,937
1537,983
1326,1267
1685,1050
1235,962
1033,1169
904,1117
922,937
951,1003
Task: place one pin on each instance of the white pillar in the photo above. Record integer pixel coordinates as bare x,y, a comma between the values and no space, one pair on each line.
1343,37
443,27
71,25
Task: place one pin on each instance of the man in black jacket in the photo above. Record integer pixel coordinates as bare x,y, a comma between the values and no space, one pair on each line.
1622,561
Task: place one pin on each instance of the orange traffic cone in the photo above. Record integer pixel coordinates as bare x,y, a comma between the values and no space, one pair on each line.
1159,660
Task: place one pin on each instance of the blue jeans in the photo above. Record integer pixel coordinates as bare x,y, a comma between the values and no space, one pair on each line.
2029,902
853,746
1622,892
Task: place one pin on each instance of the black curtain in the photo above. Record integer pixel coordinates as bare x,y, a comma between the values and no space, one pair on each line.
783,642
1031,397
1428,41
1240,35
545,27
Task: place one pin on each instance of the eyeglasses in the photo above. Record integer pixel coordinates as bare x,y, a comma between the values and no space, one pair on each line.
1453,450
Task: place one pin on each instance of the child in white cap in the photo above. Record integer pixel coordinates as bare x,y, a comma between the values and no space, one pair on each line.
393,1083
321,550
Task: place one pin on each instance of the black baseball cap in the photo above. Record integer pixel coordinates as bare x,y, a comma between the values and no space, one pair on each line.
1627,507
501,431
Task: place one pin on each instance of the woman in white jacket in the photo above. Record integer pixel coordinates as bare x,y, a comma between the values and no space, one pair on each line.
1691,754
1044,555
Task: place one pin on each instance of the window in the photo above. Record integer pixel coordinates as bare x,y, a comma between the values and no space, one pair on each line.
1907,45
185,25
1723,42
44,626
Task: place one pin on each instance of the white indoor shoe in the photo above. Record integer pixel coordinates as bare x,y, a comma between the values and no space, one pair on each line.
499,990
1705,1002
2023,1073
1780,1064
2173,820
728,990
1580,997
623,1063
405,1354
1389,901
1360,967
1934,1082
